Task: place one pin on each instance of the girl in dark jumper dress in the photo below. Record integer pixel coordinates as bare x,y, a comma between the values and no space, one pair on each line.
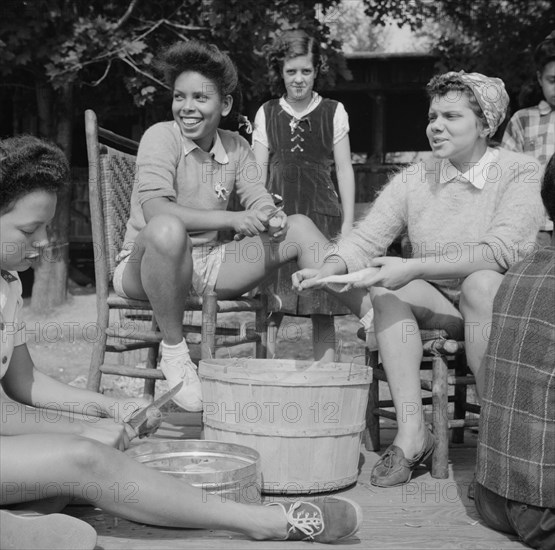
296,140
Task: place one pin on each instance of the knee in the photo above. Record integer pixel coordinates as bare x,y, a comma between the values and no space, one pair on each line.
378,297
167,235
478,290
301,225
86,456
384,300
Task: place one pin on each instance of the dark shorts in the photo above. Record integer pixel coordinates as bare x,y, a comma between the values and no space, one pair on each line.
534,525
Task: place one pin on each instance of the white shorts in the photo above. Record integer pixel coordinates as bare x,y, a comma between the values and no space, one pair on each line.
207,259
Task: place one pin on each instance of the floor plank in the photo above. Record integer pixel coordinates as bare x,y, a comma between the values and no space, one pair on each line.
426,514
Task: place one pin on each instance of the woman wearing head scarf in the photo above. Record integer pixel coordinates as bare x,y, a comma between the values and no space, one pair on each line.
470,212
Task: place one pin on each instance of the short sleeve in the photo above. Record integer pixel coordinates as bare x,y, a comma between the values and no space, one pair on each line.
249,185
340,123
259,133
20,336
12,330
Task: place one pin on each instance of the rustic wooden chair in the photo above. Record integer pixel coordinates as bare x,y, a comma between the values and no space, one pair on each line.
111,177
447,361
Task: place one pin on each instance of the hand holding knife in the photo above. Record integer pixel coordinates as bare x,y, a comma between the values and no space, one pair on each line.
146,421
271,214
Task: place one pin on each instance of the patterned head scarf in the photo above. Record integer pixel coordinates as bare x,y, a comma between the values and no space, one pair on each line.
491,96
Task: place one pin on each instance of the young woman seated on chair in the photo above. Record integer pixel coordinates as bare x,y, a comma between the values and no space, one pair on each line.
46,463
471,211
186,171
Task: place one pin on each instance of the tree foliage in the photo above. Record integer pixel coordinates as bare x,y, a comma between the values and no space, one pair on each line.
495,37
93,43
59,56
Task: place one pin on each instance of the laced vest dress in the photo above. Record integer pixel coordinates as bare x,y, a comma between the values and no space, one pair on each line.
300,161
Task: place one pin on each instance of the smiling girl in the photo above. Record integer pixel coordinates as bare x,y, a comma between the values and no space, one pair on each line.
471,211
186,171
296,140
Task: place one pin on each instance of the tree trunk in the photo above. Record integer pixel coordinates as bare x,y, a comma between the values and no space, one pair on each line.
50,284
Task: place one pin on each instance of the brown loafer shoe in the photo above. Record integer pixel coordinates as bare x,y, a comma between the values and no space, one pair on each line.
393,469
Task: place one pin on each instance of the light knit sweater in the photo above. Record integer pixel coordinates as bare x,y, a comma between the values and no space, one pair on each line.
440,216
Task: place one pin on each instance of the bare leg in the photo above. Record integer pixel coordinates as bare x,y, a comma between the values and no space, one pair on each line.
478,292
162,253
69,466
247,262
161,269
398,316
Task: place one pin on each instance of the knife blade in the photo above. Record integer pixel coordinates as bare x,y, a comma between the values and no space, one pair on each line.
141,417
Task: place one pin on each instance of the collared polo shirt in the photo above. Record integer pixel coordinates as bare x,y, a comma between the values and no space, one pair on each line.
477,174
174,167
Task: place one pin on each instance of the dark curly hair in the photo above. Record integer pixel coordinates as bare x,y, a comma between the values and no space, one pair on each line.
548,188
29,164
443,84
200,57
286,46
209,61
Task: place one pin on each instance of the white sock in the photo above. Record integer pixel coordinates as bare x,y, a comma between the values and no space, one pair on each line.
368,321
172,351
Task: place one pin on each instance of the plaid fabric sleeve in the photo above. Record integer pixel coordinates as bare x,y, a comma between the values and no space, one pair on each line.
513,138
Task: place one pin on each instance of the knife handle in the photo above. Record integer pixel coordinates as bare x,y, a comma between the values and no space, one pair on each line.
148,426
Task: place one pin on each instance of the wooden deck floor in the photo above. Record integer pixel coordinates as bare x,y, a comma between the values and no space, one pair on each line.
426,514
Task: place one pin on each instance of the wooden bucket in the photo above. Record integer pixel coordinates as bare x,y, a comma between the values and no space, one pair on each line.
230,471
306,419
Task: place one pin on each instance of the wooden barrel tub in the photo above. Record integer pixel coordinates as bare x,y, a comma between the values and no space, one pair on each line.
305,418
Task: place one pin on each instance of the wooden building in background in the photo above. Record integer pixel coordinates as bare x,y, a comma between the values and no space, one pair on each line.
388,108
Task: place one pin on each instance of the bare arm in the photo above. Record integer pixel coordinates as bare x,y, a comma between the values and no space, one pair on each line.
345,181
26,384
245,222
262,156
194,219
394,273
456,263
310,278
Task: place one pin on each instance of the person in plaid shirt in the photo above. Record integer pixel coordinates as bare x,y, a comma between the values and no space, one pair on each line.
515,475
532,130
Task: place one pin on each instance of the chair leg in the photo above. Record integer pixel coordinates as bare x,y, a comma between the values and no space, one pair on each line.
460,399
262,328
372,431
151,363
99,346
440,419
208,325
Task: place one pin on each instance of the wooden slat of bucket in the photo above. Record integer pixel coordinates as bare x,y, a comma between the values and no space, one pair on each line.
286,372
308,435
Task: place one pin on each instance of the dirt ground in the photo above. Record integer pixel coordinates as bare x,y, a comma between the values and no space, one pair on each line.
61,343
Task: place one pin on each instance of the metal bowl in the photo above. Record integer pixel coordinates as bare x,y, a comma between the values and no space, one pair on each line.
226,469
